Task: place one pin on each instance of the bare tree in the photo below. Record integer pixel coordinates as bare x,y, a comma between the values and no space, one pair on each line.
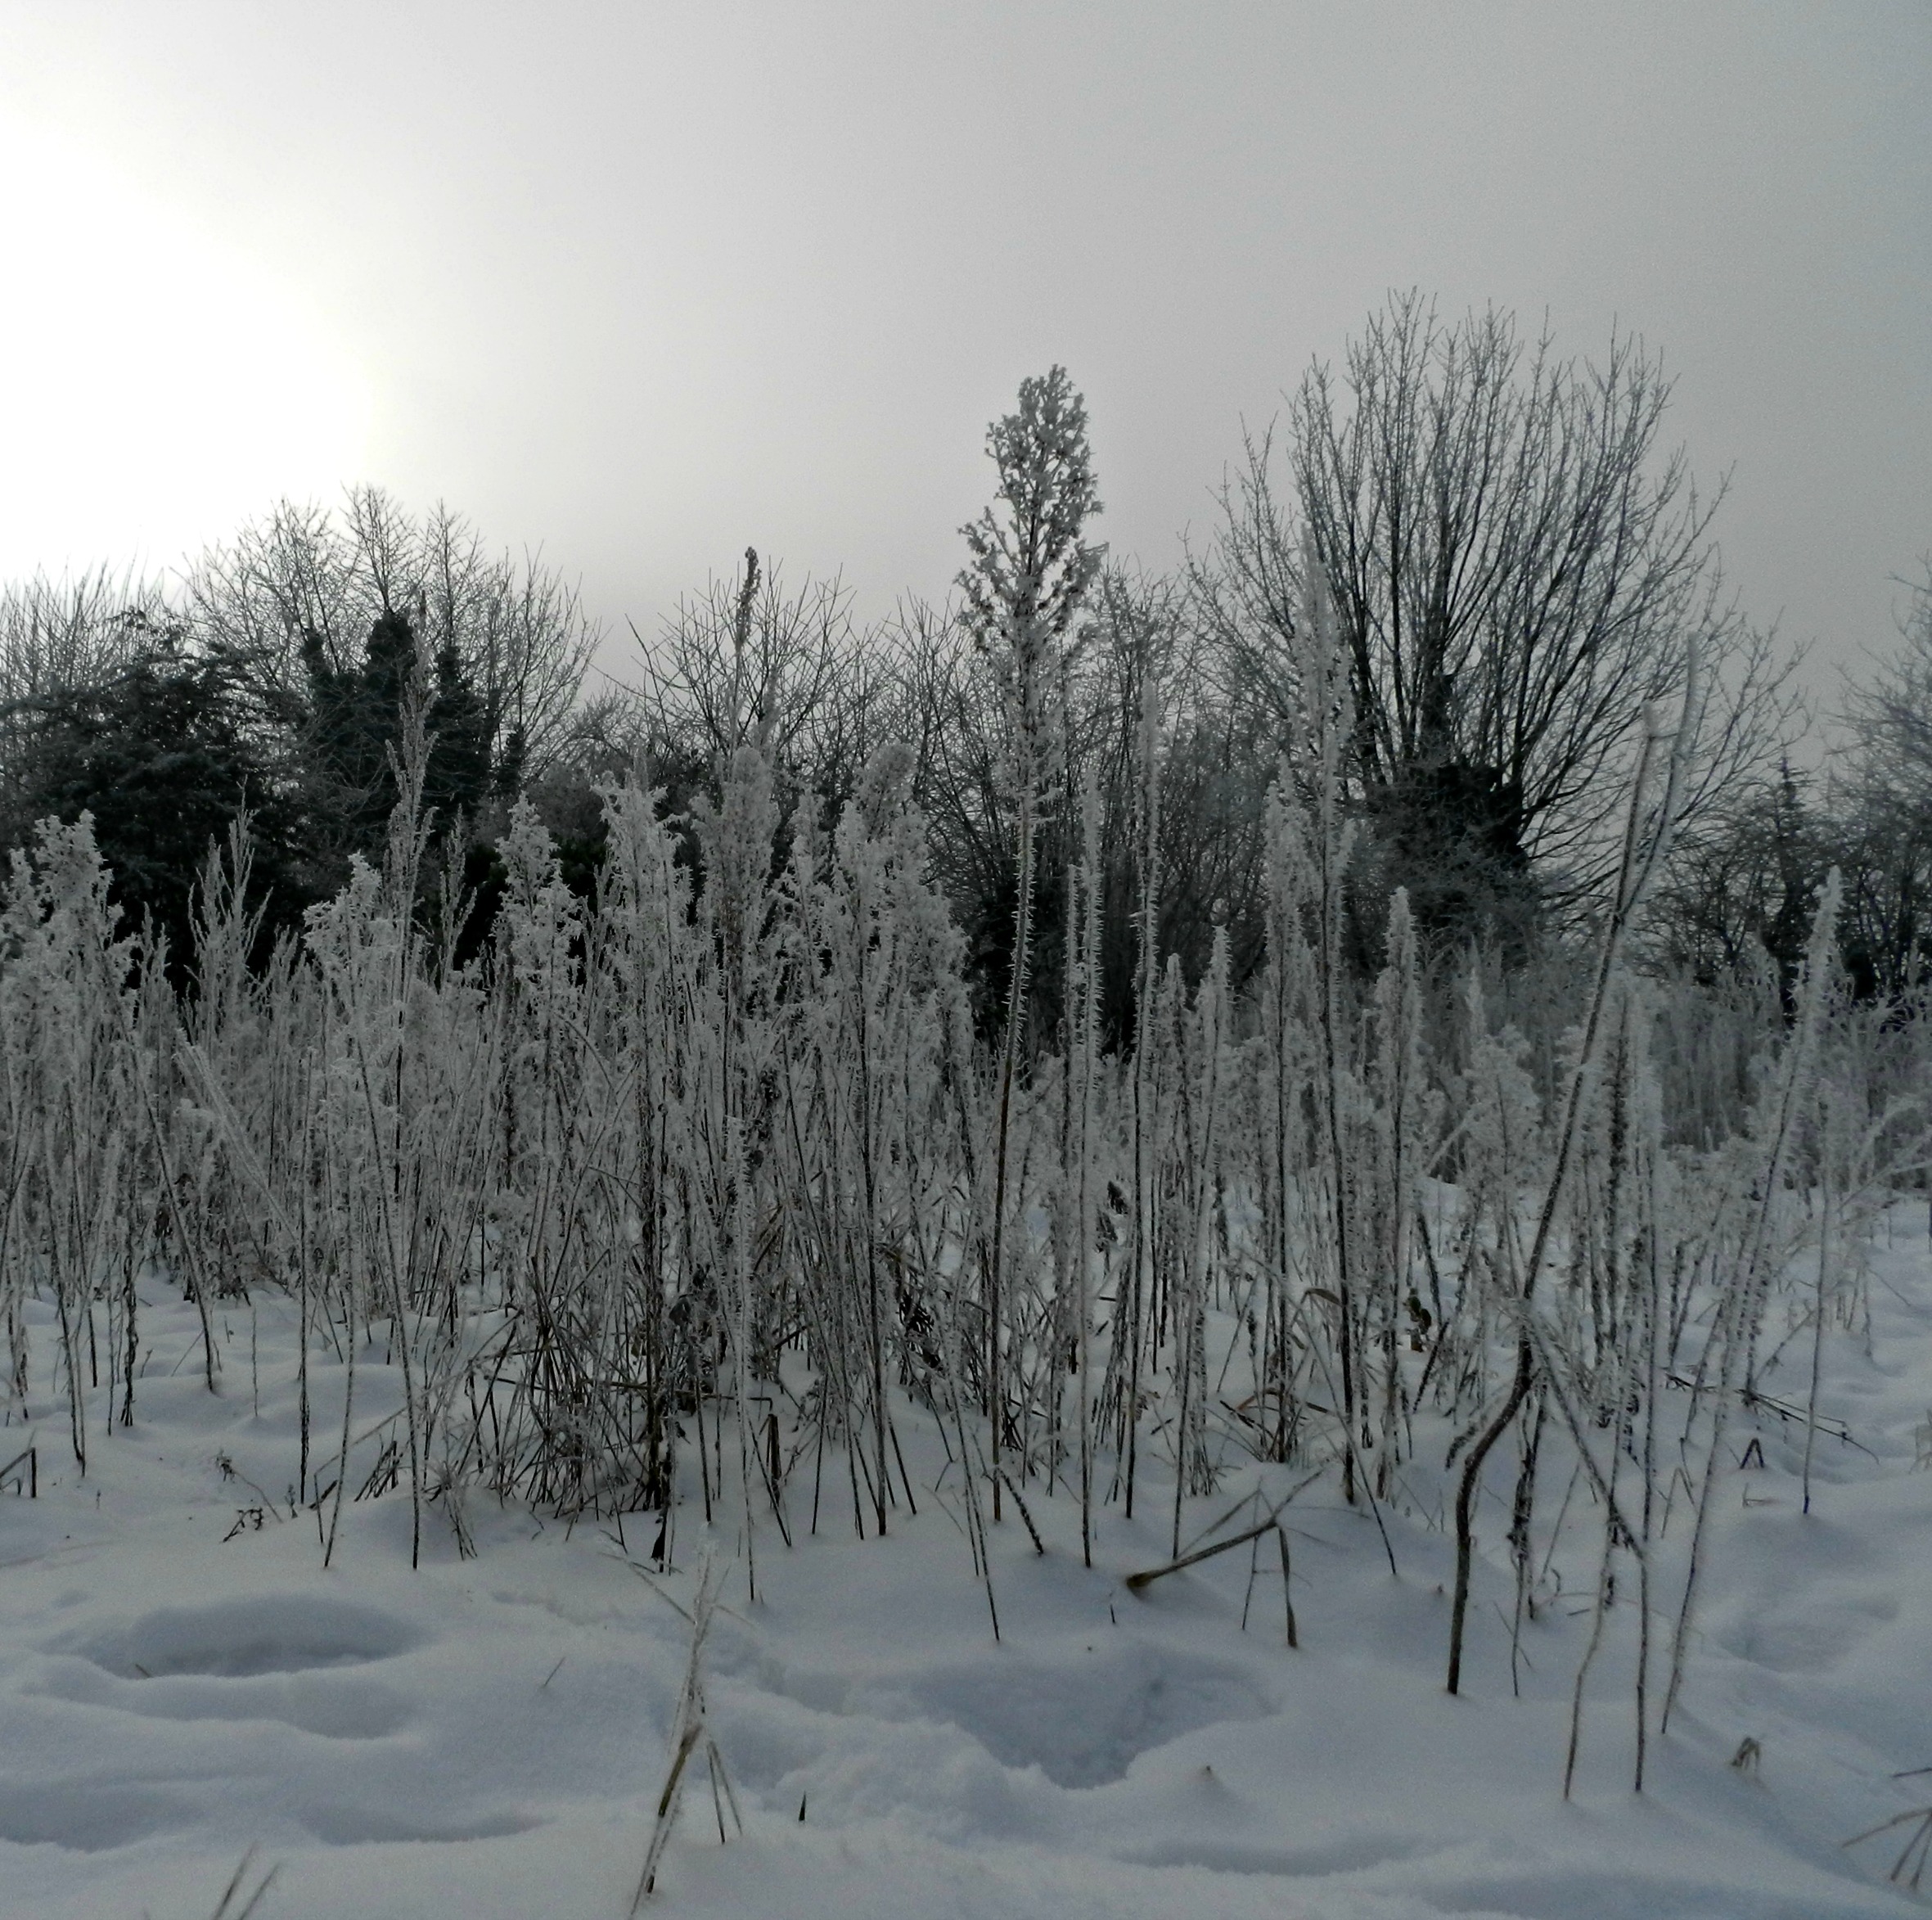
1216,757
750,662
304,576
1890,715
1885,810
1749,882
1516,564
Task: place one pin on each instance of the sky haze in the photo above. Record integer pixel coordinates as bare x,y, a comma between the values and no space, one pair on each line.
641,284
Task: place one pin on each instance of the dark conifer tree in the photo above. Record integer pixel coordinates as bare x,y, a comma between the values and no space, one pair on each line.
163,756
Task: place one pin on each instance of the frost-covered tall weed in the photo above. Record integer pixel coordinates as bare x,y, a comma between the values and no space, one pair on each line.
689,1198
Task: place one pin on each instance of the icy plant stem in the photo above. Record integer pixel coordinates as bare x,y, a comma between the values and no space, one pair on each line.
1826,1200
1002,1139
1638,863
1142,1253
1740,1310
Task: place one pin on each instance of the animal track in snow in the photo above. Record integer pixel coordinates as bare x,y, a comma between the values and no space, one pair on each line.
1821,1633
237,1639
86,1818
1083,1721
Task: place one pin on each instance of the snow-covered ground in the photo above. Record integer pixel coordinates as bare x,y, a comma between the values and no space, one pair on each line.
180,1681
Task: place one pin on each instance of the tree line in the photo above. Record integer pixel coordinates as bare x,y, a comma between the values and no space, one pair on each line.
1129,1023
1517,562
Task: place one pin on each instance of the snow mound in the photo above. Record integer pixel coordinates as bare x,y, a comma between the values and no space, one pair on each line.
329,1707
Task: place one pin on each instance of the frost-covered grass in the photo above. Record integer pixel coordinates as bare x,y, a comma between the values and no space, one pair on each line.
384,1332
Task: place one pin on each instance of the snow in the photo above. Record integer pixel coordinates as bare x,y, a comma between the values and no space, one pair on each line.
181,1680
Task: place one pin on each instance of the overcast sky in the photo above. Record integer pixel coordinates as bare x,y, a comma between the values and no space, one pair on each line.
641,284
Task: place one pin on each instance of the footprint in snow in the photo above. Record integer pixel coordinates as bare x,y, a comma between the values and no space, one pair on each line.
236,1639
1082,1722
273,1657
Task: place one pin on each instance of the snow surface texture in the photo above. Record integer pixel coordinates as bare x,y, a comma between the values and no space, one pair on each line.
180,1680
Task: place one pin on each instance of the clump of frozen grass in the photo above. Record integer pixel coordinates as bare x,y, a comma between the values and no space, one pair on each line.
692,1195
1908,1869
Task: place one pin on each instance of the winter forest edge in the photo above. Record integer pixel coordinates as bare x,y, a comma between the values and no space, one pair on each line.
1403,1010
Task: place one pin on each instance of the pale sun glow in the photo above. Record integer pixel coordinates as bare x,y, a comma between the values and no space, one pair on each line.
156,389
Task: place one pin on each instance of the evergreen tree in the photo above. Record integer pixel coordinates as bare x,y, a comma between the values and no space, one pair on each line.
356,718
163,756
459,778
